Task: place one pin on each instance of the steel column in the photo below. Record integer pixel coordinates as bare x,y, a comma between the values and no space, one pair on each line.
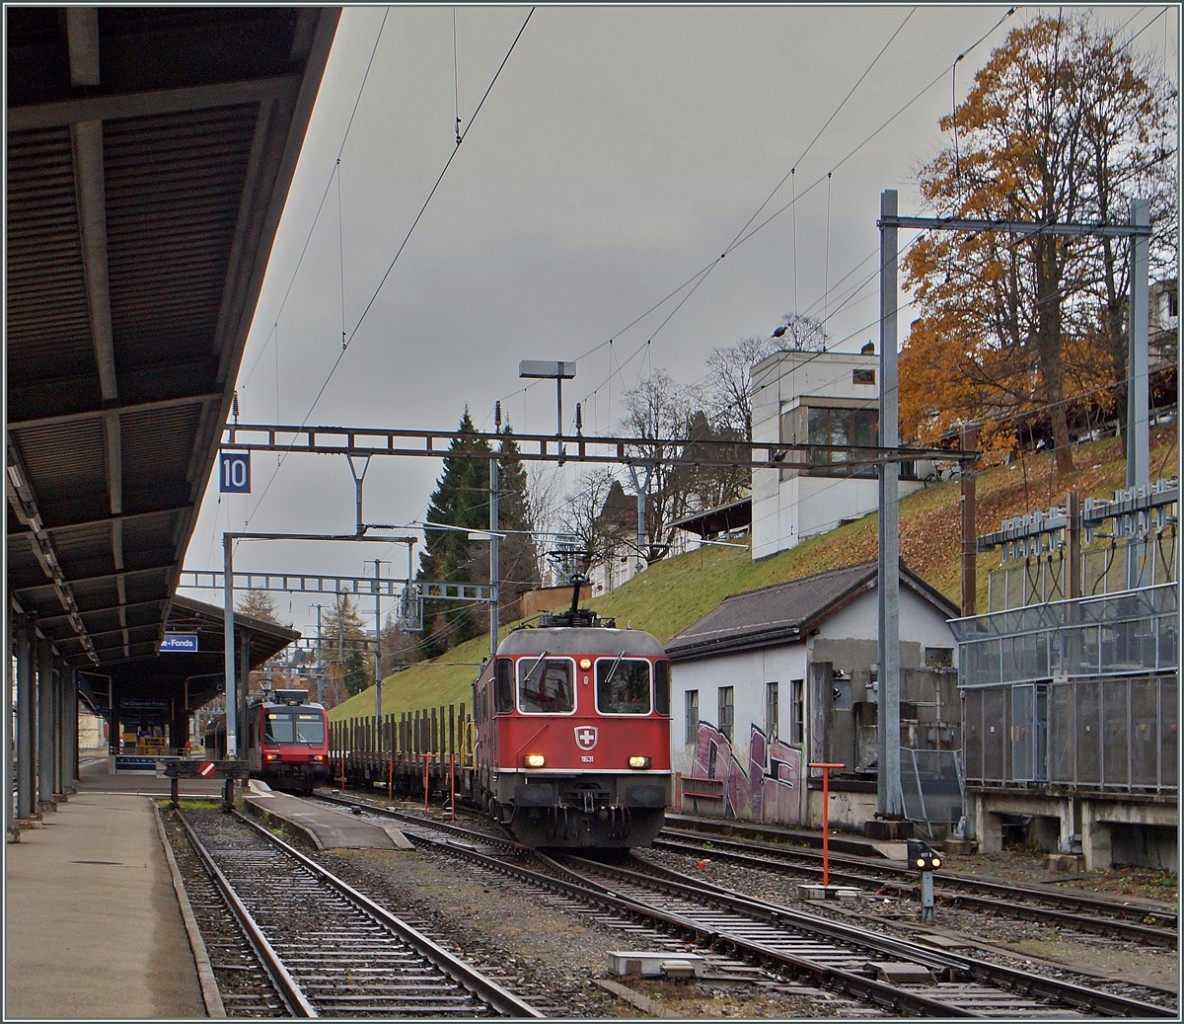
888,797
26,704
45,751
1137,427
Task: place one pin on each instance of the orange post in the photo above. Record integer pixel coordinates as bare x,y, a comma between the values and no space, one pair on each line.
826,766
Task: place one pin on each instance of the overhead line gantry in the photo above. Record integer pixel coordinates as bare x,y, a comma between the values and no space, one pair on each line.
370,441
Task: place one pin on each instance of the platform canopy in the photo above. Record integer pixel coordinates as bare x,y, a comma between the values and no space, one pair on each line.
194,673
149,155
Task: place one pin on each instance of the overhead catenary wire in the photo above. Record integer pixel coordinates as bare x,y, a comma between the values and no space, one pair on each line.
746,234
329,183
431,193
647,348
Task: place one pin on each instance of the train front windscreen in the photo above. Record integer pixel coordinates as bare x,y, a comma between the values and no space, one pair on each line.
294,727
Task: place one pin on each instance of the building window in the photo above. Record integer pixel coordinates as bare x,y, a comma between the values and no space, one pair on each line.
692,715
772,710
727,702
797,700
838,428
863,376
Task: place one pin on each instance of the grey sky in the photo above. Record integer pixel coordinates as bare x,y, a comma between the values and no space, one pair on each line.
620,152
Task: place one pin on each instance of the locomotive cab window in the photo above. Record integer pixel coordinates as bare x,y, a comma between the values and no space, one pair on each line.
545,686
310,728
623,686
503,685
289,727
278,728
662,687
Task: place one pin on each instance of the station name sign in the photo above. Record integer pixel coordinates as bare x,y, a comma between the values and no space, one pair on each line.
179,642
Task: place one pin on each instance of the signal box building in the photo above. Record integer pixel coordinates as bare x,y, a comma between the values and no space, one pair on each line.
777,678
829,399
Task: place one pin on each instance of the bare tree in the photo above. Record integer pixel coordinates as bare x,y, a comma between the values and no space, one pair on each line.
729,387
545,482
660,412
800,332
584,515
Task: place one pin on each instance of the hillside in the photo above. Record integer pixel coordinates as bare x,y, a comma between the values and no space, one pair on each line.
672,594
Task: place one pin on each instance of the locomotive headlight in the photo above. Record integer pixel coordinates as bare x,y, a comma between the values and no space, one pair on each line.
639,761
271,757
534,760
585,663
318,757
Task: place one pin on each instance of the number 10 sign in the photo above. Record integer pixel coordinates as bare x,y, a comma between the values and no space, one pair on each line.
235,476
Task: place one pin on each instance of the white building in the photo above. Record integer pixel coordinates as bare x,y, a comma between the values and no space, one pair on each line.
777,678
829,399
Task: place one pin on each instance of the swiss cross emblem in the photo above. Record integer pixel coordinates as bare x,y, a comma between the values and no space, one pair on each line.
586,736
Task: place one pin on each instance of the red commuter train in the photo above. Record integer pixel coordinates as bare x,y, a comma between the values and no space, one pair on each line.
573,733
287,741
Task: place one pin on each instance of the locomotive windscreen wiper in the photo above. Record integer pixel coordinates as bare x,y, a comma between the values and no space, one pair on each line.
536,666
609,678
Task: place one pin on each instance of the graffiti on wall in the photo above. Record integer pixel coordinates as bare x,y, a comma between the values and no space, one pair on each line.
768,789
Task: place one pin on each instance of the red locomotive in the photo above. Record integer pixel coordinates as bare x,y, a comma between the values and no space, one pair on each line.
287,741
573,733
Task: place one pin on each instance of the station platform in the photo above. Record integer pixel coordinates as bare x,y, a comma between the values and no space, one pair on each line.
96,928
93,926
325,828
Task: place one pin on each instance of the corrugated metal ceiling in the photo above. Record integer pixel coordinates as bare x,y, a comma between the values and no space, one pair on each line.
149,153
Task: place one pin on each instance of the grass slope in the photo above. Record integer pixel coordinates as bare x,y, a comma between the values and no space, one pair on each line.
672,594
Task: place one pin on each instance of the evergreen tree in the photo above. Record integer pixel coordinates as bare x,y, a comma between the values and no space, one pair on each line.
461,499
258,604
356,672
518,559
346,663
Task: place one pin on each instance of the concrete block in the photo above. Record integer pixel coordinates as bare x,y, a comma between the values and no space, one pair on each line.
655,965
901,973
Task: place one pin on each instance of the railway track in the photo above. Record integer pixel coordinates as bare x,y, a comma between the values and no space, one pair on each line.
904,976
1135,921
736,933
317,947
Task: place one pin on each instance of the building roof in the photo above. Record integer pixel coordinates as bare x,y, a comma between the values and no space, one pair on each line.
197,675
735,515
788,612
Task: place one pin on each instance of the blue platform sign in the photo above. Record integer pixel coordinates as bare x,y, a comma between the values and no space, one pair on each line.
179,642
234,473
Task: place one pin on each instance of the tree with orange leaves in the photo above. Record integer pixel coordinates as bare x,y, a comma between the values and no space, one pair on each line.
1063,125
